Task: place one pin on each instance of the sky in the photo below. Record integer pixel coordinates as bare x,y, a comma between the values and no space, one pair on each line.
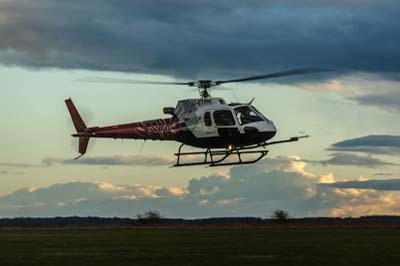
349,167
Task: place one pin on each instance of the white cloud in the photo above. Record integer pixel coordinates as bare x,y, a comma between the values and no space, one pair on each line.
358,202
254,190
334,85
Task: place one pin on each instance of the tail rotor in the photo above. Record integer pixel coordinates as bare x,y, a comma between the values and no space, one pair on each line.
82,131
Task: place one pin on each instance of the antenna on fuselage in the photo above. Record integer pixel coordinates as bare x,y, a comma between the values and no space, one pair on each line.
252,100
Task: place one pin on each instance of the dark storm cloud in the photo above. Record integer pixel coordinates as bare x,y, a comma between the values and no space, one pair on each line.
343,159
388,184
201,38
374,144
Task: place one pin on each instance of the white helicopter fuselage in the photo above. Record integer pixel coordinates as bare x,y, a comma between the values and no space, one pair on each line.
212,123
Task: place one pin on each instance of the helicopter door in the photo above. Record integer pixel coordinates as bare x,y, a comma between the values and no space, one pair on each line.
209,128
225,123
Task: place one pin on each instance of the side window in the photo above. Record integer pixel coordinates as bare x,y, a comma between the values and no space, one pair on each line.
224,118
207,119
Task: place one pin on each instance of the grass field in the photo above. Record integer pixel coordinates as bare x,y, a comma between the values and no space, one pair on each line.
201,246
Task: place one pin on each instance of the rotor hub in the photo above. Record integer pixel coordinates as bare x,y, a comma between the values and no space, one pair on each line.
204,86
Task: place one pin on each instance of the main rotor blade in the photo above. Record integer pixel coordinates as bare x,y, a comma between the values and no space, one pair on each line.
214,88
277,74
131,81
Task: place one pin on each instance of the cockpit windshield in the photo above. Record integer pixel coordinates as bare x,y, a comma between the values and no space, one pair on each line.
259,113
245,115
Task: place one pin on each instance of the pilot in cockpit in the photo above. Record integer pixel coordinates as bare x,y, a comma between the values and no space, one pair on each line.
244,115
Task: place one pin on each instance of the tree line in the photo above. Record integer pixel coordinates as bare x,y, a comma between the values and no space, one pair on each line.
149,218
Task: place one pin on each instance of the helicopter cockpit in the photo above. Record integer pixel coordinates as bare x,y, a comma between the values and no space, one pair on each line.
246,114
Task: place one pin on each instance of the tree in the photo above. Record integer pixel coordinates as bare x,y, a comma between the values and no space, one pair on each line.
149,217
280,216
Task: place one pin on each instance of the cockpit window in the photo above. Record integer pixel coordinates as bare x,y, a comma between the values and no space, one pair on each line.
246,115
224,118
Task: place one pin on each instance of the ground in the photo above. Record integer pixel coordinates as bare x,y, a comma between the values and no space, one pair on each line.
201,246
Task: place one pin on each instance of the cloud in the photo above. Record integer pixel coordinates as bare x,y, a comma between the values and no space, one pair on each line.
364,87
120,160
384,174
388,184
333,85
201,38
343,159
389,100
6,172
254,190
374,144
19,165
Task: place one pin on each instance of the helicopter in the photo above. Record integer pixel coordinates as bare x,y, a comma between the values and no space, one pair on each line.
227,133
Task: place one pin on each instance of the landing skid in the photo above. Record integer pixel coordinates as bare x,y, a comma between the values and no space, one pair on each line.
224,154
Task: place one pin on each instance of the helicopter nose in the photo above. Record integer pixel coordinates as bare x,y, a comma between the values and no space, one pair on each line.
270,126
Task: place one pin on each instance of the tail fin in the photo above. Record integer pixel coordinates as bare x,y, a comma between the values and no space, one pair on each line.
76,117
79,126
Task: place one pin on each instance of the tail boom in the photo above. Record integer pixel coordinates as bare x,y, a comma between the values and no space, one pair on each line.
159,129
